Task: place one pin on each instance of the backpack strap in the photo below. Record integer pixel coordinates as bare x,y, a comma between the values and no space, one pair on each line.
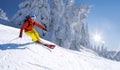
28,23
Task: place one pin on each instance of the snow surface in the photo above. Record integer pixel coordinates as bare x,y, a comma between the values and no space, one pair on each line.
23,54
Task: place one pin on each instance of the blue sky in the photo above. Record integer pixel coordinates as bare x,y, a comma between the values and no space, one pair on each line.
10,6
103,18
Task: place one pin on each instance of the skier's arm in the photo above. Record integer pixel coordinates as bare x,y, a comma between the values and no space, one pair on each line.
22,28
40,26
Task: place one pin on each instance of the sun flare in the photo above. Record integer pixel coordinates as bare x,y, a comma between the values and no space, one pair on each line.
97,38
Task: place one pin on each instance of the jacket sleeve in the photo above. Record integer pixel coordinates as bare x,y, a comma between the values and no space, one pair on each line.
40,26
22,28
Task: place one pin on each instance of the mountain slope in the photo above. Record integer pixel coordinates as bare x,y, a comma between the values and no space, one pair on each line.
23,54
8,23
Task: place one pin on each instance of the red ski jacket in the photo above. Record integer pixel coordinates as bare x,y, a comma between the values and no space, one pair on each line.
29,25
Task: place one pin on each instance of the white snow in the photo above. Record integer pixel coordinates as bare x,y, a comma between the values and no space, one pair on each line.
23,54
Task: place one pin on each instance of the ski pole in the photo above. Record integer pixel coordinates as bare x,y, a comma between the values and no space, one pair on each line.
14,39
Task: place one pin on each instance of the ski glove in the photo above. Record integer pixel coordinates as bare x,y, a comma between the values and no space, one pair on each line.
45,29
20,35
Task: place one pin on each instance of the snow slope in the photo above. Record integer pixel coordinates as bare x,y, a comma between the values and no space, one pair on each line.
23,54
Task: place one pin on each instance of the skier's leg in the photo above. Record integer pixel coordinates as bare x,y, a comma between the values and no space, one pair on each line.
38,37
36,34
32,35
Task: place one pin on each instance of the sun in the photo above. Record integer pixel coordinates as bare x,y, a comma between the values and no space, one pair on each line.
97,38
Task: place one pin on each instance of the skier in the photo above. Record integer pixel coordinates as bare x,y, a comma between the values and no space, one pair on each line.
29,30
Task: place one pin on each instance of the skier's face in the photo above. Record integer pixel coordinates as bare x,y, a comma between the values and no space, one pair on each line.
33,19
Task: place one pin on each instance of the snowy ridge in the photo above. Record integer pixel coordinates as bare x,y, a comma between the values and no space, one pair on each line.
23,54
8,23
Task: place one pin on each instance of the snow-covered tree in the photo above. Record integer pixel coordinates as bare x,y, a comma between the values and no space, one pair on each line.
77,26
67,24
3,15
69,2
85,36
57,10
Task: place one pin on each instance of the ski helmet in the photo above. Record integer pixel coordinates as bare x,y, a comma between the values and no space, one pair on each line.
33,17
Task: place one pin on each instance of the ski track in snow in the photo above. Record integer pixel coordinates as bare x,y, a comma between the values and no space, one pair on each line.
44,67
